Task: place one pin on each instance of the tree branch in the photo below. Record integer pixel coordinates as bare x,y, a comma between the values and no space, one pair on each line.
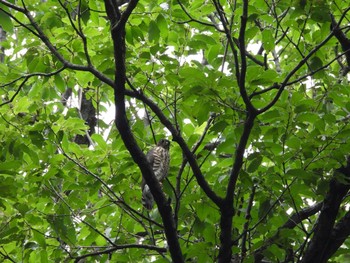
16,93
228,34
227,208
124,16
339,234
343,40
316,250
246,224
243,71
193,19
5,256
178,138
78,30
118,22
119,247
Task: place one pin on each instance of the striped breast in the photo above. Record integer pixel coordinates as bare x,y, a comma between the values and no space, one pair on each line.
160,162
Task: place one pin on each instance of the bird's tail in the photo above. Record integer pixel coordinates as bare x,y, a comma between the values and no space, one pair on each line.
147,198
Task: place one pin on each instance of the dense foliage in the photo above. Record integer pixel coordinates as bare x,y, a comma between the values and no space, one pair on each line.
254,95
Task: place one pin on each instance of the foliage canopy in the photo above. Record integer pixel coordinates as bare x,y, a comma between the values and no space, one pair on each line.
254,95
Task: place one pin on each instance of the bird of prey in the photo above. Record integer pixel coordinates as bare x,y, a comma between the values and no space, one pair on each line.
158,157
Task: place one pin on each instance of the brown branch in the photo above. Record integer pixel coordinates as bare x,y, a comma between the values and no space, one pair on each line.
36,74
316,250
124,16
259,92
242,49
19,22
339,234
343,40
227,208
118,22
317,70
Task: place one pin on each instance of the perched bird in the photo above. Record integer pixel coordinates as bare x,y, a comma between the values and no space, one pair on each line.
159,159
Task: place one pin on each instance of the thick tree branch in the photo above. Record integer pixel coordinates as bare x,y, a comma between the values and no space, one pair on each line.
316,250
343,40
339,234
242,49
124,16
118,37
227,209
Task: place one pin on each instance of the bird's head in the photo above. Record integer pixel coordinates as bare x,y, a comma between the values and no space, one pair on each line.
164,143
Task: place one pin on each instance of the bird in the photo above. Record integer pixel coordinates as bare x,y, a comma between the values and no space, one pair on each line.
159,159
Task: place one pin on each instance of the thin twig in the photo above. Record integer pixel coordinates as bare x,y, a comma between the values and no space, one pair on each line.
119,247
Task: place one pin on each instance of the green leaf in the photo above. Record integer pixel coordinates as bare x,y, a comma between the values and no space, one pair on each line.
100,141
320,13
293,142
43,256
5,21
94,15
60,84
316,63
268,40
193,76
162,25
255,163
300,173
153,32
39,238
309,117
